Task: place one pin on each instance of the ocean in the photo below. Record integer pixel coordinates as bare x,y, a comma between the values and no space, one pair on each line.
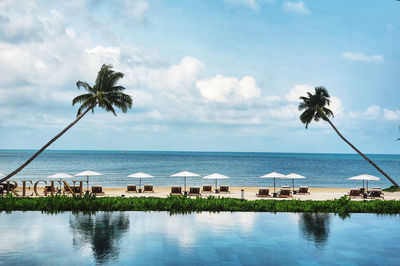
243,168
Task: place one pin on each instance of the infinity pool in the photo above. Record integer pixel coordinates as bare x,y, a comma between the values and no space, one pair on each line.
159,238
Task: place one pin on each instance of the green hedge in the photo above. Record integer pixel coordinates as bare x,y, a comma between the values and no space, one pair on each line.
179,204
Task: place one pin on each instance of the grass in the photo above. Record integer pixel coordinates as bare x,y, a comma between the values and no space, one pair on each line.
392,189
178,204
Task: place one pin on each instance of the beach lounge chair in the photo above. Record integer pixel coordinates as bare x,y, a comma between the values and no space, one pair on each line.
224,189
194,191
76,189
148,188
49,190
303,190
207,189
285,193
263,192
362,190
176,190
97,190
376,192
131,189
354,193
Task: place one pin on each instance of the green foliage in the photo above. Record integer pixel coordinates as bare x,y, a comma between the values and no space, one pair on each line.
314,106
105,93
181,204
392,189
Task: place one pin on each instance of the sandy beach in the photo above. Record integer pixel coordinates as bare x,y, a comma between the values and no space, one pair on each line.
250,193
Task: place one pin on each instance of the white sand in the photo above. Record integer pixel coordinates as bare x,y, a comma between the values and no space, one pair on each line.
250,193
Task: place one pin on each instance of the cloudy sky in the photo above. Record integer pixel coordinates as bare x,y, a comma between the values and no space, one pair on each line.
205,75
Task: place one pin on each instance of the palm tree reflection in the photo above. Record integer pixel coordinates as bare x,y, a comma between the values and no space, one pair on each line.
315,227
102,232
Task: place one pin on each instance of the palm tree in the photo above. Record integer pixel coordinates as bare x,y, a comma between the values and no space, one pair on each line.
314,106
105,94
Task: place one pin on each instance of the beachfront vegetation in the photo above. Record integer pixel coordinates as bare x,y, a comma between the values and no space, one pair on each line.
391,189
105,94
185,204
315,108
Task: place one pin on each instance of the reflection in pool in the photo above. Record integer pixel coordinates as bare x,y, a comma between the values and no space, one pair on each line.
102,233
158,238
315,227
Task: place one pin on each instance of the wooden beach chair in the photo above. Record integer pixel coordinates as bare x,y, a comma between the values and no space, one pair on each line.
354,193
131,189
376,192
194,191
263,192
176,190
224,189
362,190
207,189
285,193
97,191
148,188
303,190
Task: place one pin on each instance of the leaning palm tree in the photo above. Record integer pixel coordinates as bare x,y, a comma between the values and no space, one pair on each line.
105,94
314,106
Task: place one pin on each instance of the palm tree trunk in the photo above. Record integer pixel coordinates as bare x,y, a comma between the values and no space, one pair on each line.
359,152
47,145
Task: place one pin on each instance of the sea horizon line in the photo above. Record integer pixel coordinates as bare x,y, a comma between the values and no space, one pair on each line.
189,151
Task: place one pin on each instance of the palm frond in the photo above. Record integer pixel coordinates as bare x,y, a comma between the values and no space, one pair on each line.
81,98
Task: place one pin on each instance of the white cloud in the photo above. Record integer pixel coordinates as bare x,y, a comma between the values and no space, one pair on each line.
296,7
362,57
372,112
297,91
391,114
137,9
224,89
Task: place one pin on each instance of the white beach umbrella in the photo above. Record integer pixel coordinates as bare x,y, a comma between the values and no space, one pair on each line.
88,173
365,177
216,176
185,174
273,175
294,176
140,175
60,176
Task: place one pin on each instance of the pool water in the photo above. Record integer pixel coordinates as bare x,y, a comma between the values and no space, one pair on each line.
161,238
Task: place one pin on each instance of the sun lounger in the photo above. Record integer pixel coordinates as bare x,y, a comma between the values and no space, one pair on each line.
148,188
362,190
194,191
303,190
285,193
224,189
131,189
97,190
76,189
207,189
263,192
375,193
176,190
354,193
49,190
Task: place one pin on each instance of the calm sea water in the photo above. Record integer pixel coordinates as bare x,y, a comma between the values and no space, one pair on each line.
321,170
158,238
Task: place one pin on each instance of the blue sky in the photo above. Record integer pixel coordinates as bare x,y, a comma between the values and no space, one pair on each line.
210,75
